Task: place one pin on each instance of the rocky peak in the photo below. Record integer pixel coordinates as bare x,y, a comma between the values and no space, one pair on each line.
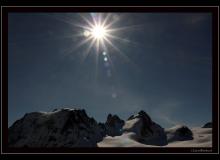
142,115
113,120
62,127
114,125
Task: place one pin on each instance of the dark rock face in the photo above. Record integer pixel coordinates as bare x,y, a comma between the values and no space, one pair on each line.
60,128
179,133
146,131
208,125
102,128
114,125
184,132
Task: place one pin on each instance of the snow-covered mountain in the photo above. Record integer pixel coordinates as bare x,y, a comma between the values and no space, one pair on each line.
145,130
74,128
60,128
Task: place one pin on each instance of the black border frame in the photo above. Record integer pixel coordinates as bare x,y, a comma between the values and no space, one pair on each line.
215,68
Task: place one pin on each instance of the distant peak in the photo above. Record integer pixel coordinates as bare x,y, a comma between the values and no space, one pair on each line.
109,116
208,125
143,115
112,119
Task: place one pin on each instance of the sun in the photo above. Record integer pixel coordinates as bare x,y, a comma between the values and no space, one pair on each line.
99,32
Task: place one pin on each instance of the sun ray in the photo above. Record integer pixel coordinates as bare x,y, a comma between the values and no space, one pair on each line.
97,46
83,42
106,19
99,19
121,53
103,45
86,53
109,42
118,38
125,28
87,21
109,25
72,49
82,26
94,18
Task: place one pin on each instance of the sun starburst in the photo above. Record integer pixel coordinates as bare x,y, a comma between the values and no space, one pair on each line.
99,31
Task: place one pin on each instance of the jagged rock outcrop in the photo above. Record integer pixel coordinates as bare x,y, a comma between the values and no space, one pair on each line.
146,131
114,125
102,128
179,133
60,128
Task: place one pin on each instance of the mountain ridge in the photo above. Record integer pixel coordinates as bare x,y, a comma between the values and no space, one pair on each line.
68,127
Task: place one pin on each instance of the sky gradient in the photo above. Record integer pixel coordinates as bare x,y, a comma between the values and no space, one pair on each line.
164,66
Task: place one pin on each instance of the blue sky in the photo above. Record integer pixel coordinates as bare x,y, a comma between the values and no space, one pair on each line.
164,66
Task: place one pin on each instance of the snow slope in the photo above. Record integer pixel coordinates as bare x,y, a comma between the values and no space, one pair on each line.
202,137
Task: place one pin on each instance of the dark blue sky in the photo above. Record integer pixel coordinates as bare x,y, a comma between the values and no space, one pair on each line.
167,71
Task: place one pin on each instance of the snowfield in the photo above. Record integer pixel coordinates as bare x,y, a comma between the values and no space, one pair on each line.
202,137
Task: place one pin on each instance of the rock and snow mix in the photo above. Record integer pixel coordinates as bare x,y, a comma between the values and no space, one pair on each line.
145,130
74,128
